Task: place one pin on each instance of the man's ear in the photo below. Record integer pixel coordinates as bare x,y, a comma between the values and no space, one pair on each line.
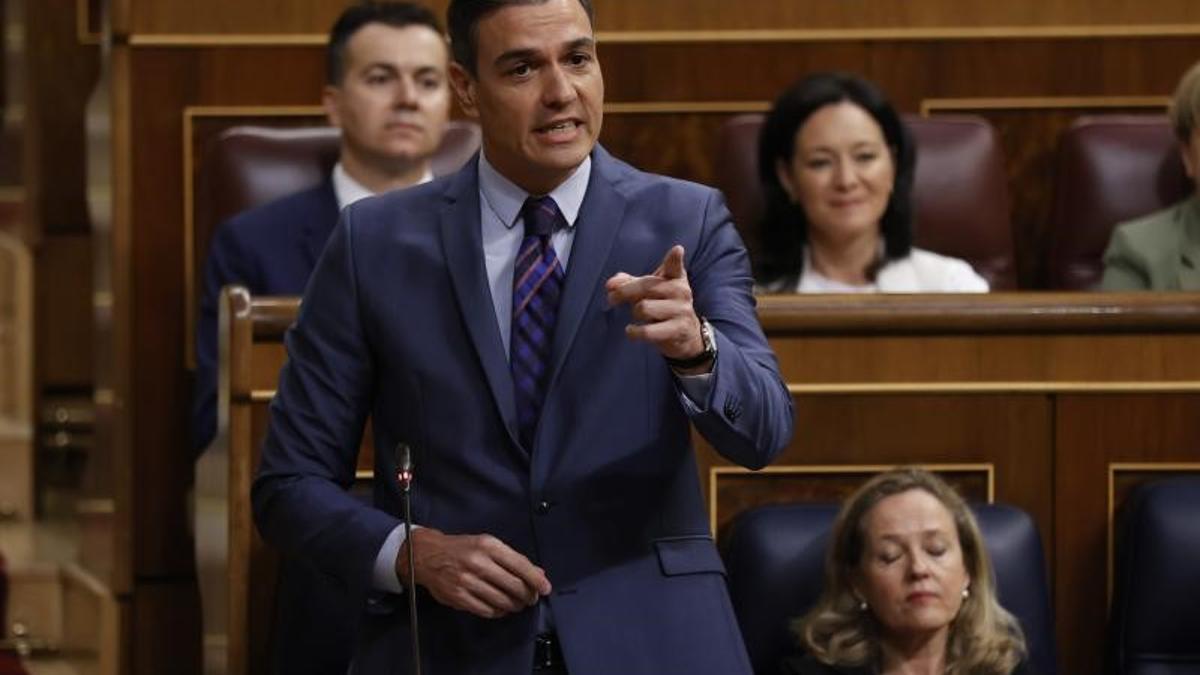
331,97
464,89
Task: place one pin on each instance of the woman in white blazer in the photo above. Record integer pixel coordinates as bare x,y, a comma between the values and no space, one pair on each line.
837,166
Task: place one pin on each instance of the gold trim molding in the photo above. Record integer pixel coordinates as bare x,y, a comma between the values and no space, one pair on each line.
759,36
936,105
1131,467
715,473
1027,387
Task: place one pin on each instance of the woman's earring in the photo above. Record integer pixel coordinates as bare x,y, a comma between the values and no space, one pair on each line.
966,592
862,605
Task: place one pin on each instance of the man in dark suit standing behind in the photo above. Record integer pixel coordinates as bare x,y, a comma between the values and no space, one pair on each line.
540,327
388,94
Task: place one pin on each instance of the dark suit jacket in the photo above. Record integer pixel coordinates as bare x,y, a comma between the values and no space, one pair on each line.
398,323
272,250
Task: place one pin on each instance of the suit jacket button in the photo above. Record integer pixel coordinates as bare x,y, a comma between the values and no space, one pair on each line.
543,508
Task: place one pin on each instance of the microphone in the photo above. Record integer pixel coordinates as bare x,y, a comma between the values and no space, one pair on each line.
404,477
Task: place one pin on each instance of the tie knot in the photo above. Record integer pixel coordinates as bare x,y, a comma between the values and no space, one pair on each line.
542,216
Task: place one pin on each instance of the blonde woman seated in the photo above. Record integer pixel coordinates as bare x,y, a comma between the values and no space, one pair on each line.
1161,251
836,165
908,589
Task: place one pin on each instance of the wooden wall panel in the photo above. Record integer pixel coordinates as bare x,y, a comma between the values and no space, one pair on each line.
228,17
1099,431
64,313
718,15
165,82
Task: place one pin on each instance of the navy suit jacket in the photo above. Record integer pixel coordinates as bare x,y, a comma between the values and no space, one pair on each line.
398,324
272,250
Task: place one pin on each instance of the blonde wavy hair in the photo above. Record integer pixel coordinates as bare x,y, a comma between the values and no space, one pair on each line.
1185,106
984,638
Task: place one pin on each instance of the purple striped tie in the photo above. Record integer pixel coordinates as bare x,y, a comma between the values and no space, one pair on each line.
537,285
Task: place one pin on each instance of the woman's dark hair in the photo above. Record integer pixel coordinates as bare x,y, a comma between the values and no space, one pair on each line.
784,226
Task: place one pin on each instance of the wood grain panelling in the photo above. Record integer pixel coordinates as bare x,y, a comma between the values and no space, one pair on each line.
737,490
164,83
64,313
682,16
62,74
1103,430
1012,433
165,630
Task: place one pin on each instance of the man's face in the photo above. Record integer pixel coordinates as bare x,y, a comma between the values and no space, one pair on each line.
538,92
394,100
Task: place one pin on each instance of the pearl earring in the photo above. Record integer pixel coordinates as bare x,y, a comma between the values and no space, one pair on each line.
862,605
966,592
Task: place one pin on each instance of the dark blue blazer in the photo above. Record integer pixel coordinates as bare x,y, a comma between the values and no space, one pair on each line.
398,324
272,250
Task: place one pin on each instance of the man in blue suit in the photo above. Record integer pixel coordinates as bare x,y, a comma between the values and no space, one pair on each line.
388,93
541,328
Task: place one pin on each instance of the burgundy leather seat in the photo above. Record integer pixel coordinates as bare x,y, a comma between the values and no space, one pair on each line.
247,165
960,189
1110,168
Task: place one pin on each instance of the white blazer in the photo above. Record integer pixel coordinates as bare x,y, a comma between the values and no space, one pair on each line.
919,272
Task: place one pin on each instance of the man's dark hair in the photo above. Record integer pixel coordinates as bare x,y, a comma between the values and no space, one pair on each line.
394,14
785,225
463,19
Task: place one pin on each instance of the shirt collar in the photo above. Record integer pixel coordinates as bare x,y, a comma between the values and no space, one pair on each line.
505,199
347,190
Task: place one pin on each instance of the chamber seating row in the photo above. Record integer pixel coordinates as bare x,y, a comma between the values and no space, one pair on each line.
1110,168
775,560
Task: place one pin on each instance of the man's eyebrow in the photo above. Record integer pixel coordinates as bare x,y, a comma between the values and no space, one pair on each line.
515,55
528,54
581,43
379,64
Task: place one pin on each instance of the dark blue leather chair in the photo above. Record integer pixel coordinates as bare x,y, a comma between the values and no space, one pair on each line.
1156,604
775,557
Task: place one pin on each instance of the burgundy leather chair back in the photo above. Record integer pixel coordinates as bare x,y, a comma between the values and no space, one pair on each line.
247,166
960,189
1110,168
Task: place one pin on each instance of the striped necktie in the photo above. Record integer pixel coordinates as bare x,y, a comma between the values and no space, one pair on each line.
537,286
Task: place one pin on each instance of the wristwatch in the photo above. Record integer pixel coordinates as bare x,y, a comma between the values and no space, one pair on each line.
708,338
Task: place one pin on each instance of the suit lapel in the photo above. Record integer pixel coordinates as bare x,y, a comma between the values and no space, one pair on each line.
1189,254
318,223
462,245
600,217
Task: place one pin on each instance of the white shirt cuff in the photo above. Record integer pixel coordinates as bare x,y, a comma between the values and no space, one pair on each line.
383,576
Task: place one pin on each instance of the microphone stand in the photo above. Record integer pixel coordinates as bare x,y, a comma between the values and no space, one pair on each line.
404,476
